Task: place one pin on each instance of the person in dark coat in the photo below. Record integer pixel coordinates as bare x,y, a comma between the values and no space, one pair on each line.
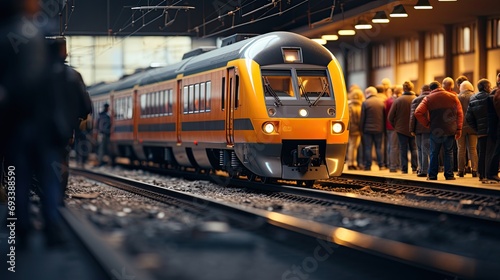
104,133
372,125
442,112
73,102
467,143
477,118
399,117
421,132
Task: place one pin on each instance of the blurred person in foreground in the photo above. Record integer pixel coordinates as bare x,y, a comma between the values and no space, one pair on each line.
73,101
29,140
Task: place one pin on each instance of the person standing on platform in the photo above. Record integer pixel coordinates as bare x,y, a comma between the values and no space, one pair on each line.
399,117
391,139
72,99
104,133
442,112
477,118
355,101
372,126
467,143
421,133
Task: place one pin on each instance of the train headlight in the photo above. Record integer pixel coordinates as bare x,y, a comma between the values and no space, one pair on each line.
337,127
303,113
269,127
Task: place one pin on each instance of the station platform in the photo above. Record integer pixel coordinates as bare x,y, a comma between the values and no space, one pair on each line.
466,181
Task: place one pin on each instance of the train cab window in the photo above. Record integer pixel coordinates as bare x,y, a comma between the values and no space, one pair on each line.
313,83
277,83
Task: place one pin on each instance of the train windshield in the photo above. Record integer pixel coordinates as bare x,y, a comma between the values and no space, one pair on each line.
310,85
278,84
313,83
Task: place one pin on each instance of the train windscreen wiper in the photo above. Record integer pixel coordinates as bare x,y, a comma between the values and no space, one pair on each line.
270,90
304,93
325,87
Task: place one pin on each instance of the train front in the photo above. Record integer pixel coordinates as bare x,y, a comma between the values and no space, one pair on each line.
299,109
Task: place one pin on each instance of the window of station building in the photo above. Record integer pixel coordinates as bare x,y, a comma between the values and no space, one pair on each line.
197,97
355,61
408,50
381,56
465,39
434,45
493,33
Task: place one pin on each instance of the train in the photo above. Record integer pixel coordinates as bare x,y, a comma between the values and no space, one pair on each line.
267,107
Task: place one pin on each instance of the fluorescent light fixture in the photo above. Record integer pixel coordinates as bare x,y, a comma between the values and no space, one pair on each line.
362,24
319,41
330,37
380,17
347,32
399,11
423,5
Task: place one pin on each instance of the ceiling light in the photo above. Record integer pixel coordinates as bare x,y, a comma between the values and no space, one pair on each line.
319,41
447,0
362,24
330,37
380,17
347,32
399,11
423,5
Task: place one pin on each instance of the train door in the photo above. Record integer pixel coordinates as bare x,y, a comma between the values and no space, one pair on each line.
180,111
230,105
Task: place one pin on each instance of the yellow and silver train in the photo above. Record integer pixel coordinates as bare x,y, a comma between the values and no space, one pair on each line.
272,106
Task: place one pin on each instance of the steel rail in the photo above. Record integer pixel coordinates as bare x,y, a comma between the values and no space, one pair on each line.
428,259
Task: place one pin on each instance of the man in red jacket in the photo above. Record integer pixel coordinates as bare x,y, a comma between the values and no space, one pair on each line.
442,112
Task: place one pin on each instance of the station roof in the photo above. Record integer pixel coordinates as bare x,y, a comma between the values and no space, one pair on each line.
214,18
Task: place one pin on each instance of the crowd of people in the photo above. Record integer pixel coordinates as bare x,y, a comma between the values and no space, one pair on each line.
440,129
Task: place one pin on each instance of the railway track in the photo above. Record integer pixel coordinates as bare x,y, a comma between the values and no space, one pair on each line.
475,202
430,260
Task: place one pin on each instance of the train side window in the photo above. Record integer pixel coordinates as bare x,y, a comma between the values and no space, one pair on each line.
236,91
314,83
143,105
170,101
196,101
157,104
208,96
223,97
148,104
191,99
202,97
186,99
129,107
